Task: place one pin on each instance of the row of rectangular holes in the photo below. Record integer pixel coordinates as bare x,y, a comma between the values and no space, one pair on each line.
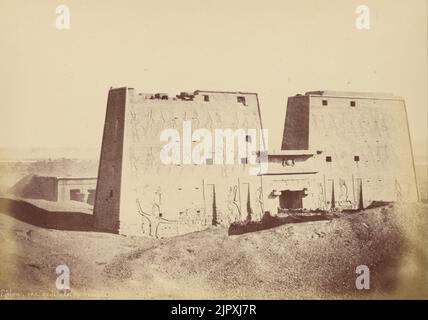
197,211
328,158
247,138
209,161
351,103
239,99
180,188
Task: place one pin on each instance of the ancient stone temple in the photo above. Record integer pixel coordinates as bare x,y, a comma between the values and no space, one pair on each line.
340,150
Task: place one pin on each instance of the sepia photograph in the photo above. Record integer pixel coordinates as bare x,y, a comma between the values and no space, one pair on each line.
213,150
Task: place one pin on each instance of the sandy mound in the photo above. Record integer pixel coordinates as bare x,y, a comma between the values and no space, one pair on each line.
306,260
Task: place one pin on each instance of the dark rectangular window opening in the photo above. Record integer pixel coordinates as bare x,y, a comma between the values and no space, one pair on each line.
244,160
241,99
111,193
353,103
328,158
209,161
206,97
248,138
76,195
291,199
356,158
325,103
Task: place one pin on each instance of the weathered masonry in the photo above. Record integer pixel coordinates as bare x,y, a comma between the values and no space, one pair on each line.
340,150
80,189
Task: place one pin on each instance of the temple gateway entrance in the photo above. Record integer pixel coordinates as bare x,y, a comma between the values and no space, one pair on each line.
291,199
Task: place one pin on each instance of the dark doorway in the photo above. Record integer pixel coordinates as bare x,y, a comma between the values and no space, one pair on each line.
76,195
291,199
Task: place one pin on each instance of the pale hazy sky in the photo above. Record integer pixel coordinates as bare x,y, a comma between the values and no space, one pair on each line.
54,84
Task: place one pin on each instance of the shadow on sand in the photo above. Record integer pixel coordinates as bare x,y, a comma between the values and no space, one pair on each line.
26,212
269,222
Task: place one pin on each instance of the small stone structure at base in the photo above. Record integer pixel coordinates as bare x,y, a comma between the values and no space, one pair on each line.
80,189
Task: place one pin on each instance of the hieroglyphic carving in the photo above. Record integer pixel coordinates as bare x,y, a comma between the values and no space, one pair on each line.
321,196
260,213
344,201
398,193
232,203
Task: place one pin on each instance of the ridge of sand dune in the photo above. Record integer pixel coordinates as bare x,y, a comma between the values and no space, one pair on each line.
307,260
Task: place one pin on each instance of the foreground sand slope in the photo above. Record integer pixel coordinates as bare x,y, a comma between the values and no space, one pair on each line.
306,260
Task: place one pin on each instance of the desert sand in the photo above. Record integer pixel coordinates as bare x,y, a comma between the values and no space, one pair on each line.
296,260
